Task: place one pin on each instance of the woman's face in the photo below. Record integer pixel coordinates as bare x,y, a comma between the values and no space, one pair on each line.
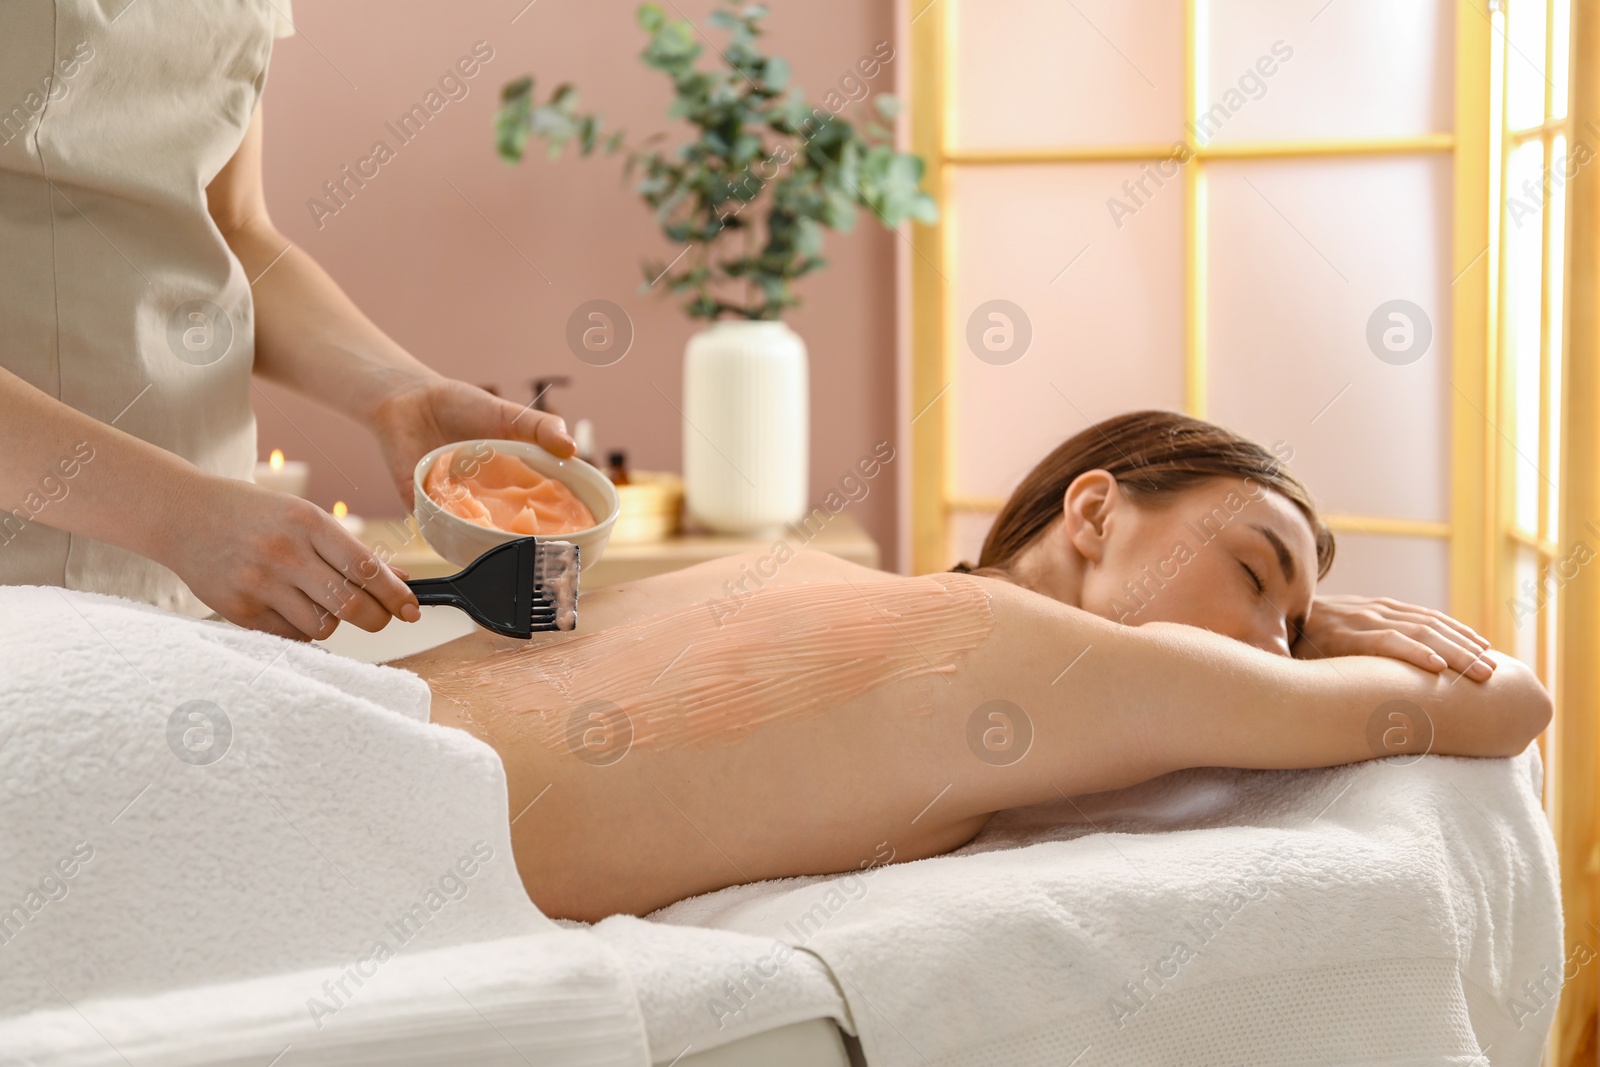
1229,555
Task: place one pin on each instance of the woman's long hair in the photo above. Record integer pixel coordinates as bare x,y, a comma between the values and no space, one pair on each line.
1153,455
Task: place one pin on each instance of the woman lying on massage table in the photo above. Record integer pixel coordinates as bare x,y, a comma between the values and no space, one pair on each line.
1145,602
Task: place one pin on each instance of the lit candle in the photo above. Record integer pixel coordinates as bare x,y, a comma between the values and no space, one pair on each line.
353,523
283,475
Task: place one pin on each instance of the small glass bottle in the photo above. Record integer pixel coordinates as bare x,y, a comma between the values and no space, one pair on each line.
617,467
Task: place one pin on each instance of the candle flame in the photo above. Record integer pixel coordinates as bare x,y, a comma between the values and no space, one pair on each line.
340,510
275,461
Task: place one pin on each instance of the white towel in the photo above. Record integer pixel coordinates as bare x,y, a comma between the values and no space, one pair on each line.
185,804
702,989
545,998
1381,913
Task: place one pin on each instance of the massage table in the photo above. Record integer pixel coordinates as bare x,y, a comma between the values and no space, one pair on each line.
1398,911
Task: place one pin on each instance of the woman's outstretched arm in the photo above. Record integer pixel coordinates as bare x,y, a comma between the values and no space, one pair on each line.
1323,712
1163,697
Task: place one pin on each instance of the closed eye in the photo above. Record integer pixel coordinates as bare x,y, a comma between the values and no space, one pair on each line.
1255,578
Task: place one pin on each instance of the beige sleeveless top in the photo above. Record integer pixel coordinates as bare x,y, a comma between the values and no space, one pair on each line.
118,295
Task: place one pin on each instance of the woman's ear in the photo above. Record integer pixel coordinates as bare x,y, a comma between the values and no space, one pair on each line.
1087,506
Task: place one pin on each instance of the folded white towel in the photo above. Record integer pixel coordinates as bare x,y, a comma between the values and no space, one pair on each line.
545,998
702,989
1381,913
187,804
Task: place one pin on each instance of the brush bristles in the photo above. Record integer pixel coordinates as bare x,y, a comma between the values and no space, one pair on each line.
555,586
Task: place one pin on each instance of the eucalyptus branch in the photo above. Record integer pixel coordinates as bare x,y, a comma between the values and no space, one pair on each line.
761,159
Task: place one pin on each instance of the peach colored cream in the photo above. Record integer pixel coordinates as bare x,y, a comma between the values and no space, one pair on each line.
680,678
504,493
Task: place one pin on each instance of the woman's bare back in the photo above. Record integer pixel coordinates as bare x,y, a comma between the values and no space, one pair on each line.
626,740
759,717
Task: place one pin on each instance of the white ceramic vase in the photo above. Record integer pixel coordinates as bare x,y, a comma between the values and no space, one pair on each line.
746,434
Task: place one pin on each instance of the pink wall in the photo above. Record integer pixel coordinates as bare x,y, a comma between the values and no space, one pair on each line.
428,268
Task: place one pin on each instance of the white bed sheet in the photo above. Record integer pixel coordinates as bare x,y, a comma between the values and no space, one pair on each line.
1380,913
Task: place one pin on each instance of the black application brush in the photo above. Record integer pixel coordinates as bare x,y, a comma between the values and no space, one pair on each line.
518,589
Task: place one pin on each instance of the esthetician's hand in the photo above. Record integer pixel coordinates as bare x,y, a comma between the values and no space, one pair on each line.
1379,626
436,411
269,561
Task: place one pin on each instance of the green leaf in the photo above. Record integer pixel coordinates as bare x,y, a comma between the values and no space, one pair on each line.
905,169
651,17
888,105
808,241
703,307
511,121
515,90
775,73
840,213
746,147
552,124
670,204
673,48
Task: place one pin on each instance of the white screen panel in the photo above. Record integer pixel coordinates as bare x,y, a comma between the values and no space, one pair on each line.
1413,569
1525,65
1027,74
1304,257
1555,291
1525,627
1351,68
1560,58
1105,308
1547,624
1524,245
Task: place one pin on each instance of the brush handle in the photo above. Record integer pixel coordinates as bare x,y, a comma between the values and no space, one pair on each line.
445,592
495,590
439,591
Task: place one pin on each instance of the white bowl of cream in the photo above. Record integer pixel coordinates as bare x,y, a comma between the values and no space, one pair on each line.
474,495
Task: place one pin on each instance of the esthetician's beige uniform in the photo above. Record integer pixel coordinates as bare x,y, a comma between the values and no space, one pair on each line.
118,295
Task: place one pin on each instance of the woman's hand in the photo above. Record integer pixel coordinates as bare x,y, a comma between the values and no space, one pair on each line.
273,562
436,411
1379,626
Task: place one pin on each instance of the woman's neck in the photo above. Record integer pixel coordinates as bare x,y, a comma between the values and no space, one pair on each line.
1051,567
